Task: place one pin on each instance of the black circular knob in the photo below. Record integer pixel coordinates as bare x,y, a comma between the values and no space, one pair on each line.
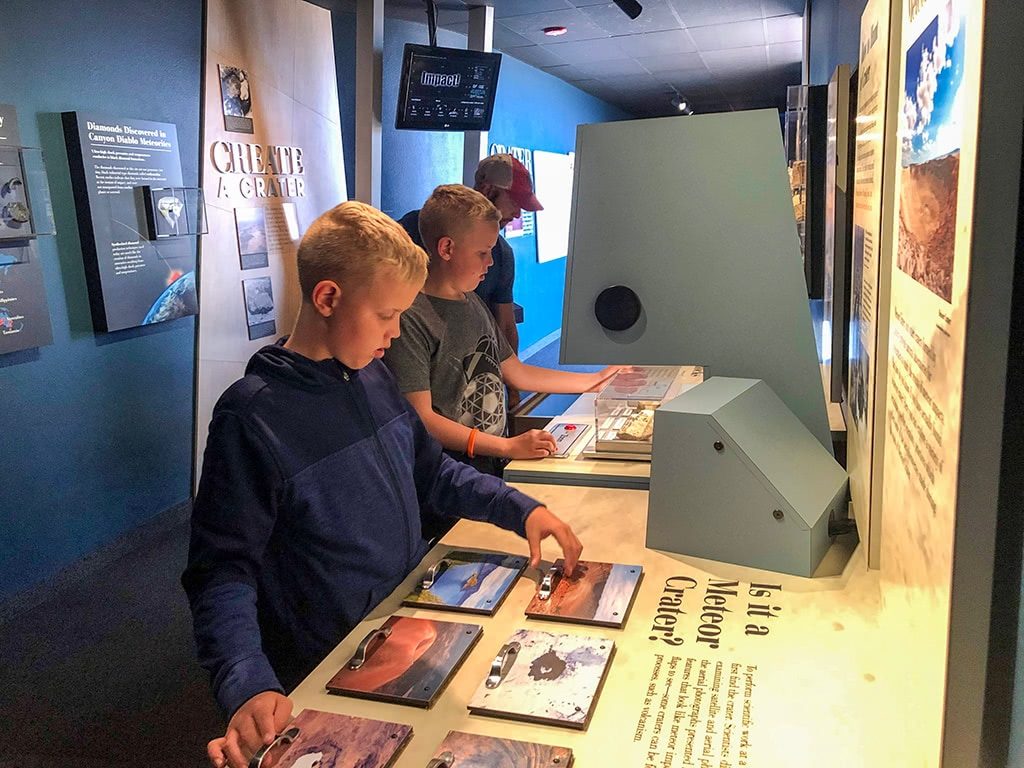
719,446
617,308
778,514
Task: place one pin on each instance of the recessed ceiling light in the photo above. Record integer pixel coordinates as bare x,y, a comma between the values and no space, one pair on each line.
555,31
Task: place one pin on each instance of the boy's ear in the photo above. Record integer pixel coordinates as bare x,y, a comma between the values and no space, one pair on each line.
326,295
444,248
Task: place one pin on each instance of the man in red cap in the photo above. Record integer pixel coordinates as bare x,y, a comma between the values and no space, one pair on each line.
506,182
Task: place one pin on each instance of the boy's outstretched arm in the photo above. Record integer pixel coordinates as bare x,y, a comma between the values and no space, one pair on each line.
232,519
535,444
454,488
530,378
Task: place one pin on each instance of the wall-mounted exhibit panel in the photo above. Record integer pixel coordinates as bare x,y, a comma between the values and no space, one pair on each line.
837,224
24,214
272,163
132,280
705,265
939,82
552,174
878,112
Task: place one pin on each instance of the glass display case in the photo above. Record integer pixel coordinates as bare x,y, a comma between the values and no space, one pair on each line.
796,154
25,208
624,408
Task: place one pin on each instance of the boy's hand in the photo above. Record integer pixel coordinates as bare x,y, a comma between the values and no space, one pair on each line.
542,523
603,375
257,722
535,444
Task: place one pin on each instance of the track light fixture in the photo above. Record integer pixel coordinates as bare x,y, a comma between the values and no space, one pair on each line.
630,7
682,105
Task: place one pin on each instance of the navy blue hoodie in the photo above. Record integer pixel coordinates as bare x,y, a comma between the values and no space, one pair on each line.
308,515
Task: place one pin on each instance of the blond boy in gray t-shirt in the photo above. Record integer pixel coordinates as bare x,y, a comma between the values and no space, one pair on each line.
450,361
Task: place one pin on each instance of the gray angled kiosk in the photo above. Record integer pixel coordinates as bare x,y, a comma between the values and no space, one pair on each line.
683,249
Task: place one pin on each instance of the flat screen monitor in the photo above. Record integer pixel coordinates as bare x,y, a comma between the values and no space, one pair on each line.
446,89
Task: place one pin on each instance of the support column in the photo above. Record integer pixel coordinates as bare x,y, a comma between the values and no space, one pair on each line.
481,35
369,68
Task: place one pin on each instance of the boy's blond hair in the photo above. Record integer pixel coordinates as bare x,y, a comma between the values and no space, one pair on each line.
449,210
351,242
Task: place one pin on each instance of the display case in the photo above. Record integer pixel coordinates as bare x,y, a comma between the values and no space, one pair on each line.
624,408
25,209
796,155
171,211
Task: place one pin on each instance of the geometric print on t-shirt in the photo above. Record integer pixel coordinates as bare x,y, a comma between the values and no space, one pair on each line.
483,398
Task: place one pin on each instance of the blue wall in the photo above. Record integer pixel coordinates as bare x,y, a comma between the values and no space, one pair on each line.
96,428
533,110
834,36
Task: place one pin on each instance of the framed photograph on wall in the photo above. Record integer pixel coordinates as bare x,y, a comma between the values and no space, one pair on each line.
259,307
236,99
251,228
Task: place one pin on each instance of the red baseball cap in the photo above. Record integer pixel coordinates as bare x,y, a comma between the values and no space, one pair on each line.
506,172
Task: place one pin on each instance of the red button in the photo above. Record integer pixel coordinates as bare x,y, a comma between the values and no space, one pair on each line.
570,427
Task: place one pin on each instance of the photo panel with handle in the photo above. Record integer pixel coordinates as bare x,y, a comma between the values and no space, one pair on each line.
406,661
317,739
468,581
470,750
597,593
545,678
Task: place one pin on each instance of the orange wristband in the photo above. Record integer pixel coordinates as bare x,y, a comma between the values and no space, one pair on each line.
471,442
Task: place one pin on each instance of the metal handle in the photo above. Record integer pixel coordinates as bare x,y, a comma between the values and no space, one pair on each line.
445,760
502,664
435,570
547,584
363,651
285,737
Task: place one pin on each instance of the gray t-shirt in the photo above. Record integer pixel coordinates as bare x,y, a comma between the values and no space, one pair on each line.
453,348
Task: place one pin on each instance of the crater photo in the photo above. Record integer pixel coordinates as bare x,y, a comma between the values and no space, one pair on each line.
930,173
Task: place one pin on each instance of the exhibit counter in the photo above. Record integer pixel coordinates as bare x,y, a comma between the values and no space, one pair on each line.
716,665
579,467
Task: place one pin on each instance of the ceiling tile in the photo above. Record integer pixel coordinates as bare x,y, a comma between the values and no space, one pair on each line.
636,84
785,29
654,43
748,60
657,15
691,79
568,72
587,50
782,7
577,24
785,53
672,62
407,13
717,37
703,91
506,8
506,38
698,13
587,85
535,55
612,67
